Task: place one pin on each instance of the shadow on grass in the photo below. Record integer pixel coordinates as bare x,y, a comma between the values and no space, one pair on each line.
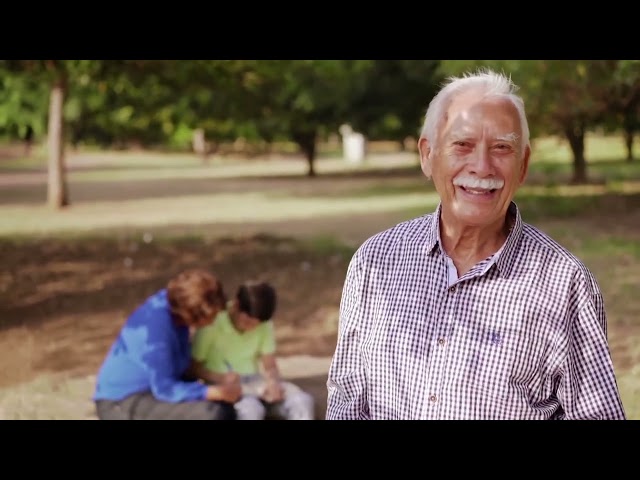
68,298
83,276
535,207
598,171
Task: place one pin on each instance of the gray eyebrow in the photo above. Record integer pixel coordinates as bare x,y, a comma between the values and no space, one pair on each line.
509,137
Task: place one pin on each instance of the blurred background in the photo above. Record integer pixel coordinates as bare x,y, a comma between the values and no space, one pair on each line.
117,174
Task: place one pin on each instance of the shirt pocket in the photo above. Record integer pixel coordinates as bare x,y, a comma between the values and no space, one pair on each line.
498,363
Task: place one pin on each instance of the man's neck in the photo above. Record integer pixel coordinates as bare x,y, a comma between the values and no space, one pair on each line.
467,245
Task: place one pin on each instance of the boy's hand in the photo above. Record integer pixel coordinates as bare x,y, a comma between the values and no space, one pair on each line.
230,378
230,392
273,391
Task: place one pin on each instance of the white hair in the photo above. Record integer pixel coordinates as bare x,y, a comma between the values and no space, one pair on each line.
488,83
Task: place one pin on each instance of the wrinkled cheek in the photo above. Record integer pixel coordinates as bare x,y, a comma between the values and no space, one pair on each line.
441,188
444,185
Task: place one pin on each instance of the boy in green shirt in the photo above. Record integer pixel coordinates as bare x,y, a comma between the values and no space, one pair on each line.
240,345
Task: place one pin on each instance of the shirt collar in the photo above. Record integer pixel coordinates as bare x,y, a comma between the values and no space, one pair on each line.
507,258
505,261
433,231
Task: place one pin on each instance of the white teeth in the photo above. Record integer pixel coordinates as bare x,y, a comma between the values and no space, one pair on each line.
477,191
473,183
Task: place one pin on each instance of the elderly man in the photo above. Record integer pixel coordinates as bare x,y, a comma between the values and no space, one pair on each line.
468,312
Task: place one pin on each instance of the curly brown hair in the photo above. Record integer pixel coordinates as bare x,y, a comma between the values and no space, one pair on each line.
193,295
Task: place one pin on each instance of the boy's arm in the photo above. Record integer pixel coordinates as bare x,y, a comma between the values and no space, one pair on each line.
273,388
270,368
273,391
198,370
267,353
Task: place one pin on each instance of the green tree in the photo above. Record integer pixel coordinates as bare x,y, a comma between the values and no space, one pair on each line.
56,75
390,97
23,103
293,99
567,97
623,102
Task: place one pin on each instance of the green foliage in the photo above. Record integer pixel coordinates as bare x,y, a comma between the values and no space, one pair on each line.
182,136
151,102
389,98
623,101
23,102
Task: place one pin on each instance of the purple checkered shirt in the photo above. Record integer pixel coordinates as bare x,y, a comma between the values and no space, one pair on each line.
520,336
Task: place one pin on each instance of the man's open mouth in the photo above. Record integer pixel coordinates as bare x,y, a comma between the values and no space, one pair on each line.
478,191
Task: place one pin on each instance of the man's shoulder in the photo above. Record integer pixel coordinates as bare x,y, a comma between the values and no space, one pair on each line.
537,239
560,264
407,229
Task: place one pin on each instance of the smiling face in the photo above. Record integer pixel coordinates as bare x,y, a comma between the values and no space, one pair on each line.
479,161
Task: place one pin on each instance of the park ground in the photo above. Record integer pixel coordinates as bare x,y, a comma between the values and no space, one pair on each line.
69,278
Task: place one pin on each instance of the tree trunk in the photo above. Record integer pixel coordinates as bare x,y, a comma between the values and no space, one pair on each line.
575,136
57,192
310,154
307,143
28,140
628,141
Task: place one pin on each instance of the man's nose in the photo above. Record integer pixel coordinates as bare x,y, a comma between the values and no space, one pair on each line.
481,163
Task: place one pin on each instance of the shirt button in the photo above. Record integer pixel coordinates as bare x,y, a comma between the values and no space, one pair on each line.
441,341
433,398
452,289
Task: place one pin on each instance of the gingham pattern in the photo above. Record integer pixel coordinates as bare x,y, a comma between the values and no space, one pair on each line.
526,339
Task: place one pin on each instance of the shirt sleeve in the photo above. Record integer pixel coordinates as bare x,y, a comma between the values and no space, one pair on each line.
346,383
159,362
268,341
588,389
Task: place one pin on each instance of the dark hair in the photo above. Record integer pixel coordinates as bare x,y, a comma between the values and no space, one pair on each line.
257,299
195,294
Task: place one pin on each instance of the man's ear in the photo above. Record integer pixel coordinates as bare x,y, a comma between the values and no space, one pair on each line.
425,156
